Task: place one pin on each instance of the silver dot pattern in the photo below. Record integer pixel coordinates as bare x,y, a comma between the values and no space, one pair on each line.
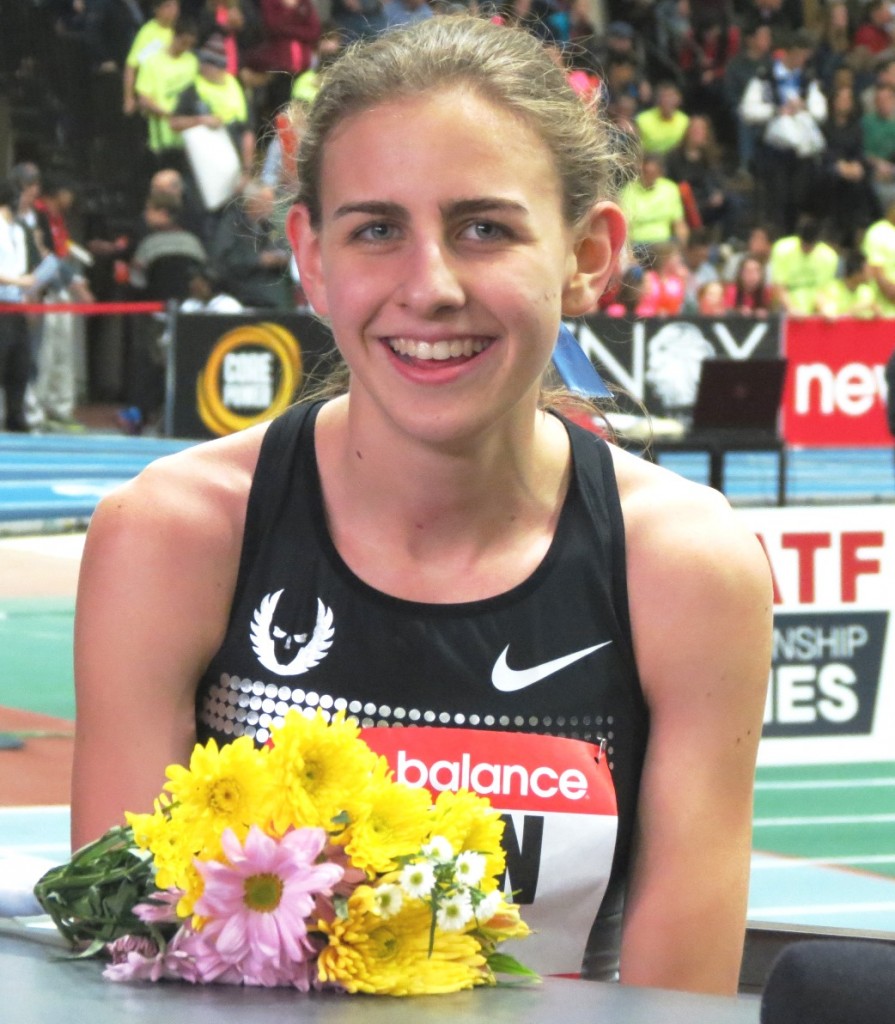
244,707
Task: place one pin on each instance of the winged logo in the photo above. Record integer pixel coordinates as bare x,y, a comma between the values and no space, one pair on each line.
268,639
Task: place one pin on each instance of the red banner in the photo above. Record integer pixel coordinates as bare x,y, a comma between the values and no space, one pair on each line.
835,387
516,771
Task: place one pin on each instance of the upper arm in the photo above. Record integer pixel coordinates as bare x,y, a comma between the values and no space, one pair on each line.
153,596
701,606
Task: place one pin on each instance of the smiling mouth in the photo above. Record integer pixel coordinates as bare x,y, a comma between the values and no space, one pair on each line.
438,351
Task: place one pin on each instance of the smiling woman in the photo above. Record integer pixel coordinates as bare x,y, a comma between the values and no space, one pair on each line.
434,551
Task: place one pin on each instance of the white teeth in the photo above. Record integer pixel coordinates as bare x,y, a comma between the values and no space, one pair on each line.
437,350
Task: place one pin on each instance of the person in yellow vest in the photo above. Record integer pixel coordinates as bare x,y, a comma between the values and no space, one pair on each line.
160,81
852,295
153,36
800,266
653,206
663,126
215,98
879,248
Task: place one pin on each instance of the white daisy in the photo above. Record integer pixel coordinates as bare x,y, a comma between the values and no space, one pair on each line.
417,880
455,912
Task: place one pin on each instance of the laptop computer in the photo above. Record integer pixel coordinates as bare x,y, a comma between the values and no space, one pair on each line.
738,396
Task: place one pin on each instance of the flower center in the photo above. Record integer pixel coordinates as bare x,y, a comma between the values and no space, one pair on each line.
223,796
263,892
385,943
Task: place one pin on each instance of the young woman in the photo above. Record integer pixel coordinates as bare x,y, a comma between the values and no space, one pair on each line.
749,294
435,547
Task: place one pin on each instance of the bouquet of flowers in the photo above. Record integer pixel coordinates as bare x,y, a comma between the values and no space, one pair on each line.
302,863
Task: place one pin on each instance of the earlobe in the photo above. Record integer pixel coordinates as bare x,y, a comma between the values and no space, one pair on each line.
306,246
596,256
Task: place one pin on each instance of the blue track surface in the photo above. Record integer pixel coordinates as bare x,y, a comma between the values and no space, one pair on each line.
43,478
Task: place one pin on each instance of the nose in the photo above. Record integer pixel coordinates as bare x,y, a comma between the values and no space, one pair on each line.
431,281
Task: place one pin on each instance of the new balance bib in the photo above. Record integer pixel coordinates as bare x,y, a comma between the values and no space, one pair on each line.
552,657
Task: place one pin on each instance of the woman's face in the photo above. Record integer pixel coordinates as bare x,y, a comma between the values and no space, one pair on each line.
844,102
443,260
698,132
751,274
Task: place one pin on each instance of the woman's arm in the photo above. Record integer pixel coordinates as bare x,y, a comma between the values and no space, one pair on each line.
154,593
701,605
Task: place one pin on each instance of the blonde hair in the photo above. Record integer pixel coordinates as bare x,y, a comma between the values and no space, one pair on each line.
506,66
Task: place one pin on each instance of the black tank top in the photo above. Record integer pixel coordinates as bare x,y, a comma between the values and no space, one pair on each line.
552,656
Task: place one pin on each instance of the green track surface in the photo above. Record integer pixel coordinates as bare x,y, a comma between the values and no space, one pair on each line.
36,655
788,798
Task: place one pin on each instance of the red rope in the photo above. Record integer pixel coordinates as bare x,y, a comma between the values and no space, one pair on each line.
84,308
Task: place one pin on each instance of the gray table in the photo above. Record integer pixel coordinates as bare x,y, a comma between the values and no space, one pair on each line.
38,988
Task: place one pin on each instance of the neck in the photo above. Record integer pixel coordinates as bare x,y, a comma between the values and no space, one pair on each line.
436,508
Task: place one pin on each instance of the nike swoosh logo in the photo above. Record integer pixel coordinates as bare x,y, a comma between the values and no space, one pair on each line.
508,680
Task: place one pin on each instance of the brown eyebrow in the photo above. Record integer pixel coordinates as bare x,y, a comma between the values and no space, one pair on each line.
460,208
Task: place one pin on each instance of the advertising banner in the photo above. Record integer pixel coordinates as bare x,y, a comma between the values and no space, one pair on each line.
227,372
836,386
657,361
831,693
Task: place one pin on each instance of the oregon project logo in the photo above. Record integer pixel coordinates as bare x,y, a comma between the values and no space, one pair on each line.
289,654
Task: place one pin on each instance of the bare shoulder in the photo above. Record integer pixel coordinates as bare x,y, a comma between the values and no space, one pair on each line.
699,583
182,515
203,486
673,525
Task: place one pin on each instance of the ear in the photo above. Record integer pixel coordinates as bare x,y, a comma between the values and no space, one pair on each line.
598,244
305,244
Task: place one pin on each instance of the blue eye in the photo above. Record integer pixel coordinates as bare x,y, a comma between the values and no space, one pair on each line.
377,232
486,231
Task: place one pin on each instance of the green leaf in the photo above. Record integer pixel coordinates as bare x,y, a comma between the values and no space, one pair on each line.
503,963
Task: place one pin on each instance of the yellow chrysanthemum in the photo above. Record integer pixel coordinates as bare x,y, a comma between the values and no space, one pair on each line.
394,824
390,956
469,822
225,787
320,770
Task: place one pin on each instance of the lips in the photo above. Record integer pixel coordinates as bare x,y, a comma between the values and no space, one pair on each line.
438,351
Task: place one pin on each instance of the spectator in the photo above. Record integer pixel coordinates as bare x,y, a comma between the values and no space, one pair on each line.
55,386
878,130
164,260
652,204
250,259
404,12
662,127
849,198
710,300
207,296
161,268
160,81
879,248
853,295
783,17
357,18
664,283
15,357
700,269
788,106
291,30
801,265
753,61
238,22
834,44
697,162
153,37
748,294
712,42
215,98
875,33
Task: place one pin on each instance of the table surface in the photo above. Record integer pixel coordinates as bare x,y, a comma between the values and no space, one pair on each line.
40,988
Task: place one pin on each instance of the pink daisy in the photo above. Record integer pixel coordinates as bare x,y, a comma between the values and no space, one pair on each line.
257,904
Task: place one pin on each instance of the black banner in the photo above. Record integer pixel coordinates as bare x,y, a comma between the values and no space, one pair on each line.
227,372
825,675
657,361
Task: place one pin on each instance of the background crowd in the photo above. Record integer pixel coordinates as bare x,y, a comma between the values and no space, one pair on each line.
756,139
